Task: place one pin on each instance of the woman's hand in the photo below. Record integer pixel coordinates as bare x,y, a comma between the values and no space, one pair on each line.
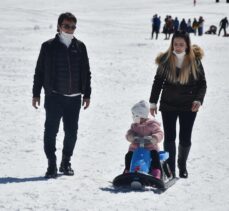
195,106
153,111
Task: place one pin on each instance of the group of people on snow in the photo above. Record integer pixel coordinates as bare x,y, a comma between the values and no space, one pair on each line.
171,25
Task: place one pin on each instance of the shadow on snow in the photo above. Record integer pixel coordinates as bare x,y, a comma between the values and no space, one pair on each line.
128,190
6,180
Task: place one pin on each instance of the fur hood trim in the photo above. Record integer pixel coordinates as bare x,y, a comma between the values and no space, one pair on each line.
198,51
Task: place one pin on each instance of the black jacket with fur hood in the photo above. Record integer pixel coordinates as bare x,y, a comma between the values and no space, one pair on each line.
176,96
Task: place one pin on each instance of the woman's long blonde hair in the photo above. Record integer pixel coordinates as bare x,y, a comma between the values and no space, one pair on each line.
189,66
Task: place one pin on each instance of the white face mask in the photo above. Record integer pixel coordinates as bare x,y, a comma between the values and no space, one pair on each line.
66,36
182,54
136,119
180,58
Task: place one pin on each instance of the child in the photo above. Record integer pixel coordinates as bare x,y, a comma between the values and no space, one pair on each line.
148,128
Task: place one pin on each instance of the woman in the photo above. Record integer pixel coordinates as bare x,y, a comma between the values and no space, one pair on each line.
180,76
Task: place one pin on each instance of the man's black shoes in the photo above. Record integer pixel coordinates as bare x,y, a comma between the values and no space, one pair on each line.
65,168
51,172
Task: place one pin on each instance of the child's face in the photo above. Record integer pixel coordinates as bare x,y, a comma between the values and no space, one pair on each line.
138,119
142,120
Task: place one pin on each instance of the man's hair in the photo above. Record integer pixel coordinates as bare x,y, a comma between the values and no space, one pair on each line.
66,16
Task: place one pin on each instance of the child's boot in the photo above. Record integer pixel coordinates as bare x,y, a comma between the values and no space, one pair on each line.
128,158
156,173
126,171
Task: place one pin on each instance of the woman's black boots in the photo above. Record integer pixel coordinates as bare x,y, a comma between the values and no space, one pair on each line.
182,159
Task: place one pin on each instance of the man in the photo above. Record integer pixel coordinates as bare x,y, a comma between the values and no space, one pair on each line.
156,22
223,25
200,26
63,71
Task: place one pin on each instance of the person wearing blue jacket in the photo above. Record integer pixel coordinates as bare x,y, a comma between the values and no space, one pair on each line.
156,23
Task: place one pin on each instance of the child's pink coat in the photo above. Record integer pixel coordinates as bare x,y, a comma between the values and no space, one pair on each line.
149,128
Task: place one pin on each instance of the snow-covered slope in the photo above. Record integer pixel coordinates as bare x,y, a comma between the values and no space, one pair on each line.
122,62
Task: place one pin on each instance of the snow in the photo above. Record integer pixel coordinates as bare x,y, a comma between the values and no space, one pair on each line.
116,34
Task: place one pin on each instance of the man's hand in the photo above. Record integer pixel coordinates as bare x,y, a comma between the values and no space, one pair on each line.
86,103
35,102
195,106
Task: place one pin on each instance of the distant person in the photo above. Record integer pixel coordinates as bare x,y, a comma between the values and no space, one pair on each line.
63,71
183,26
176,24
165,27
223,25
194,3
156,23
144,127
168,27
200,26
189,26
195,25
212,30
181,79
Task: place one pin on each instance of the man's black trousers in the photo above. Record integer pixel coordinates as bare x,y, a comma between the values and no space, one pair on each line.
58,106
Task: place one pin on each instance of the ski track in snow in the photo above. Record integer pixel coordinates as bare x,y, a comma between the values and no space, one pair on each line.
121,55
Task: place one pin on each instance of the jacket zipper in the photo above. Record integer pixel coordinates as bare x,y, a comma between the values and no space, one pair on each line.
70,74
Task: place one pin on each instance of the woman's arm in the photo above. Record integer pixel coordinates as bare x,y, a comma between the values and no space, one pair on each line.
202,84
157,86
156,90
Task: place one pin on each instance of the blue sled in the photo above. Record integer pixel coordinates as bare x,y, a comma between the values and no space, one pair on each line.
139,176
141,160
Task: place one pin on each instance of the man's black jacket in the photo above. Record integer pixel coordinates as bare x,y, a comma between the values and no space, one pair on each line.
45,69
